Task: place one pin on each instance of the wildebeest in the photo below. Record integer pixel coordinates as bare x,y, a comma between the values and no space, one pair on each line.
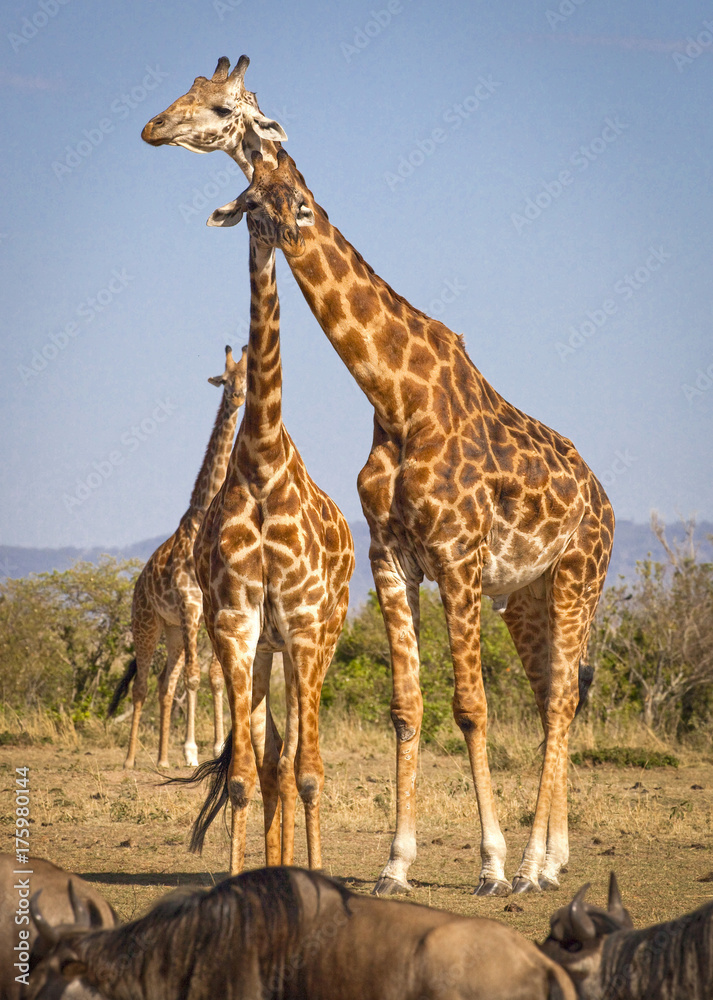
288,933
66,899
609,960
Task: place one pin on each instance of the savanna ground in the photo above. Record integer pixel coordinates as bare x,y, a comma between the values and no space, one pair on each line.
127,835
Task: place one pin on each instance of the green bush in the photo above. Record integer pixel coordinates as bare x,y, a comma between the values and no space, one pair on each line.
359,678
61,633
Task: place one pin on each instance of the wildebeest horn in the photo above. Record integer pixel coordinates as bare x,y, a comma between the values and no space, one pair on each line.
81,913
615,907
238,74
221,70
582,923
44,928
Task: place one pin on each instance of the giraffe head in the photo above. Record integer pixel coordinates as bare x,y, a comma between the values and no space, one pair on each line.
234,378
276,205
218,114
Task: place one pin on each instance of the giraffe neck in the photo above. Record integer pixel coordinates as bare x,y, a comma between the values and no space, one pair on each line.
262,423
400,357
215,461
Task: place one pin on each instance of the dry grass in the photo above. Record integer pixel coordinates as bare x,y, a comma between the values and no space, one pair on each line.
128,834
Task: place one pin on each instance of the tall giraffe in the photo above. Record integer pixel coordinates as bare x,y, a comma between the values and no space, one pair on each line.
167,598
460,486
274,556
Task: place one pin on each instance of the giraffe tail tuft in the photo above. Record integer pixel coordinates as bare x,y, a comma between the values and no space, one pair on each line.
217,797
122,689
586,676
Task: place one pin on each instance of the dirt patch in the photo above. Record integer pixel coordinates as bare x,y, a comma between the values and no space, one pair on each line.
127,835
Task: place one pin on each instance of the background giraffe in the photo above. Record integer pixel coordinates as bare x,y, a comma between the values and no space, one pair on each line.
460,486
167,598
274,556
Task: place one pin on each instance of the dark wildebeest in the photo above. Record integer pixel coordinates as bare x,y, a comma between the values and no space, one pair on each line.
65,900
289,934
608,960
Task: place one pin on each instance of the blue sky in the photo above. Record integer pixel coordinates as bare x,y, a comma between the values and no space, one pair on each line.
537,175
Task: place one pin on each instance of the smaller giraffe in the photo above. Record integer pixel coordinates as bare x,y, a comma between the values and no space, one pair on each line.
274,556
168,600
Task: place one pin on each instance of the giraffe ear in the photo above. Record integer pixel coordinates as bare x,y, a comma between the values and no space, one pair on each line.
267,128
217,380
305,216
227,215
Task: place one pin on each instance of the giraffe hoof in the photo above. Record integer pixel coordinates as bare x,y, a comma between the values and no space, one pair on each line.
520,885
163,763
492,887
387,886
547,884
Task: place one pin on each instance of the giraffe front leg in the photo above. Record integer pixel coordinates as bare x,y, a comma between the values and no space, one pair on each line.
460,588
406,715
235,636
306,655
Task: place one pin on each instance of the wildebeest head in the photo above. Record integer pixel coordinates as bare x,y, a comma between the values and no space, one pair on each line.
58,969
577,931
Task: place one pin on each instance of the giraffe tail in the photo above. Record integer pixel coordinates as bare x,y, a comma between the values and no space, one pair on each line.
586,676
217,797
122,689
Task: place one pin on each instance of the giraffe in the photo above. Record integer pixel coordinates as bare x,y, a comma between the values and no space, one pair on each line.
274,556
168,600
460,487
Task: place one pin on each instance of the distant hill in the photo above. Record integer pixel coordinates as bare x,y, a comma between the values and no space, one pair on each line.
632,542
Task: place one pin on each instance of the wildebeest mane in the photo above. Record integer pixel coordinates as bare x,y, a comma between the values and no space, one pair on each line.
245,932
672,959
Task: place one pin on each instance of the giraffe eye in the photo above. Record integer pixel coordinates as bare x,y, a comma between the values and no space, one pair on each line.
223,112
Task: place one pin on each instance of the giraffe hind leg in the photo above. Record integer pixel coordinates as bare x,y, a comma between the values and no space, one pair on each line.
167,688
146,630
550,635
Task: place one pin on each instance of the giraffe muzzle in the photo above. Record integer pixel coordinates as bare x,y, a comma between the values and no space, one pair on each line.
148,133
292,241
